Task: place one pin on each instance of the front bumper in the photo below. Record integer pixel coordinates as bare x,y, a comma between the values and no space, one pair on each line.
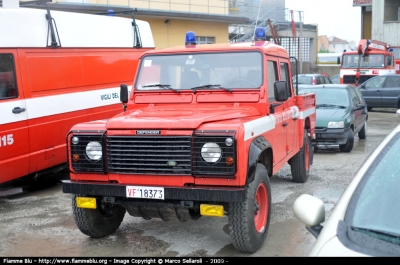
205,194
330,136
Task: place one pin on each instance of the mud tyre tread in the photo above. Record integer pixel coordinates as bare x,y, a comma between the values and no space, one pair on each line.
95,223
243,232
300,163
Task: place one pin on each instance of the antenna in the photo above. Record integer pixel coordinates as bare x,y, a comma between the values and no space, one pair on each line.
258,13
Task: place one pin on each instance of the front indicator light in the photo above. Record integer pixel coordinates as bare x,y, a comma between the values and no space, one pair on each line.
84,202
76,158
229,161
212,210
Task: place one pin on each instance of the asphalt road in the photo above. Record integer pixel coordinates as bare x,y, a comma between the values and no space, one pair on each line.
39,222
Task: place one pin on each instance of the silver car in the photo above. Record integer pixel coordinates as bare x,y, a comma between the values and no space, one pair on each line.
366,219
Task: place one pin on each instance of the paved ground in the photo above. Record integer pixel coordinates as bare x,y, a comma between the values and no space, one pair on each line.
40,223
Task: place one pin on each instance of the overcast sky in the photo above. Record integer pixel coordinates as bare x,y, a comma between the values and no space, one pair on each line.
334,17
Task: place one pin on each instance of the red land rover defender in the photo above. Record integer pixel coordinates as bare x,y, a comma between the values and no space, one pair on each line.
202,130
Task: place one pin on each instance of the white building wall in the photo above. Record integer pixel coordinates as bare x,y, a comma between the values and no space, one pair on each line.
388,32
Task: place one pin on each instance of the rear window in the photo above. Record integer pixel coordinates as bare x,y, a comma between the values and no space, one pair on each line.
303,80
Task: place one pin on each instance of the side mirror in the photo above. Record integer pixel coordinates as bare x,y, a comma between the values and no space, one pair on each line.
359,106
281,91
389,60
124,93
338,60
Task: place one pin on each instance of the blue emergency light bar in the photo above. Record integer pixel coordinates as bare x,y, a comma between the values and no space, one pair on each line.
259,34
190,38
110,13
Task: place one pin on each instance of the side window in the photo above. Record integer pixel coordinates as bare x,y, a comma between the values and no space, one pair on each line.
392,81
320,80
272,78
359,94
327,80
375,83
354,98
285,75
8,87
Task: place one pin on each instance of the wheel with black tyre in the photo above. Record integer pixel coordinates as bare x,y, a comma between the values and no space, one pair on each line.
99,222
348,146
249,220
362,134
300,163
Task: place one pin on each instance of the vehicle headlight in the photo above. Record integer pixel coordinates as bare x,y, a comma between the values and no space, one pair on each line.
94,151
211,152
336,124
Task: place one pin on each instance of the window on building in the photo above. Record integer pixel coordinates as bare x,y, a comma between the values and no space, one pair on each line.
205,40
392,10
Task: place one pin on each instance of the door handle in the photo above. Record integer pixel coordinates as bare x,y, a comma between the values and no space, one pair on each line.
17,110
285,124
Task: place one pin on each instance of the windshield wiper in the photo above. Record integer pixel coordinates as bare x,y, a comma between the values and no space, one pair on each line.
210,86
384,235
163,86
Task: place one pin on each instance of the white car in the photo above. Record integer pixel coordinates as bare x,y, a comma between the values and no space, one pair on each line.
366,219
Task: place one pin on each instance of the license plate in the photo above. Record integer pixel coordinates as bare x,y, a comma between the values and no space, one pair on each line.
145,192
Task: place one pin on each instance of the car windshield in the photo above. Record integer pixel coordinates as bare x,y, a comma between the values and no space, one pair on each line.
328,97
218,71
303,80
367,61
374,209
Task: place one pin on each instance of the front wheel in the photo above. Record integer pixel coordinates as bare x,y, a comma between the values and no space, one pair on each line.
249,220
99,222
348,146
300,162
362,134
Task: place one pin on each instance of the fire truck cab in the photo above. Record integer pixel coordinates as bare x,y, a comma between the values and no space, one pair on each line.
203,129
371,58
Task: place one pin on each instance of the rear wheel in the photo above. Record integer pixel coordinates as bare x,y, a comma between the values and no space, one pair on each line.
249,220
99,222
348,146
300,163
362,134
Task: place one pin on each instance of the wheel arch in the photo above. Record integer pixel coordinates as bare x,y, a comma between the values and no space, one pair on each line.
260,152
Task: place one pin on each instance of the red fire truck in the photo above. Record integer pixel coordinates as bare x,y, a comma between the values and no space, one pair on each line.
58,69
396,52
202,130
371,58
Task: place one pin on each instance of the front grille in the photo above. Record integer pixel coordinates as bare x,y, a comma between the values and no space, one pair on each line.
220,167
351,79
77,153
159,155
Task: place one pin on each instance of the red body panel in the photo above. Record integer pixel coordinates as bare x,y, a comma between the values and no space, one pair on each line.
51,82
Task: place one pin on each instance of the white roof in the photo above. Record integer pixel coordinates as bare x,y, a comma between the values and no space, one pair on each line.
28,27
